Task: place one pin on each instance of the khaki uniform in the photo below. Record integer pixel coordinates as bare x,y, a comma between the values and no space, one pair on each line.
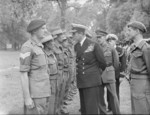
33,61
140,81
58,51
53,73
66,78
70,85
108,77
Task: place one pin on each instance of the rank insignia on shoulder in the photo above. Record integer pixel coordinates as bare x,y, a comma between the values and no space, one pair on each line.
90,48
24,55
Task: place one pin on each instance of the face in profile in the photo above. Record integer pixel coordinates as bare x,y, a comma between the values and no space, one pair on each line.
50,44
130,33
41,32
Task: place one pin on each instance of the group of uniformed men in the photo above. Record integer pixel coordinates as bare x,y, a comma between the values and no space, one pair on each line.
47,64
51,63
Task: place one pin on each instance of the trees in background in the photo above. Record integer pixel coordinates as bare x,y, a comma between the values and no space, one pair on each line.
109,15
122,12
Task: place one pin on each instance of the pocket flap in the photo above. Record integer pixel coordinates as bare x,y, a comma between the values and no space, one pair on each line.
38,51
138,54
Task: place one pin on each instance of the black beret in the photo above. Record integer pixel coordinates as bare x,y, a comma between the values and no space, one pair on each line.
35,24
138,25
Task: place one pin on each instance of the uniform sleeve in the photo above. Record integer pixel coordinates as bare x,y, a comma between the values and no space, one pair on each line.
25,59
123,61
100,56
115,59
146,54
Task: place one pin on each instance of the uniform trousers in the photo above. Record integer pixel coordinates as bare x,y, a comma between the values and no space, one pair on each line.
41,107
117,91
114,103
52,99
63,109
58,90
140,94
89,100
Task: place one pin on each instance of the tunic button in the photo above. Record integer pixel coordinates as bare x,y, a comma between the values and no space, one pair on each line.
83,73
83,59
83,67
83,63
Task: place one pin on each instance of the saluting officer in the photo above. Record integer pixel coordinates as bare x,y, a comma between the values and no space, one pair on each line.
48,43
90,60
139,69
33,67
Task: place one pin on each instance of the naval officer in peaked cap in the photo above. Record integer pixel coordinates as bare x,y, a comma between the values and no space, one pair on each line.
90,63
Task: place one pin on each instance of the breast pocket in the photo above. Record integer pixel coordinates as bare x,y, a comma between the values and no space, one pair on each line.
137,59
138,54
52,66
39,57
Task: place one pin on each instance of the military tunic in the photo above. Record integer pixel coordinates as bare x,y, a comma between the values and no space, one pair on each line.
140,78
58,51
33,61
108,77
90,60
66,77
53,73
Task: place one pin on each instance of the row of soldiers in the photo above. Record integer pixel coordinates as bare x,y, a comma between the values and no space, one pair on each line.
61,63
56,49
47,65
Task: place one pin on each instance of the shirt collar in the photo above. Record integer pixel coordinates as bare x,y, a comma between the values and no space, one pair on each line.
81,43
35,43
140,43
48,53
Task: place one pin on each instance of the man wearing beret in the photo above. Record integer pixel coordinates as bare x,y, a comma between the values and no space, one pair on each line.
90,62
139,68
33,67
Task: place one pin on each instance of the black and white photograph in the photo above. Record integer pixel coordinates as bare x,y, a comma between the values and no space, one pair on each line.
74,57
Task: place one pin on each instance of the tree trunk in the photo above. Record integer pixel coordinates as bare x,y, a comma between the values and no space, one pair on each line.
63,7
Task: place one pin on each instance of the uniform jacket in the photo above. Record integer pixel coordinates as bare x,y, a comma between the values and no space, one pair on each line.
58,51
90,60
139,61
122,59
52,64
112,61
33,61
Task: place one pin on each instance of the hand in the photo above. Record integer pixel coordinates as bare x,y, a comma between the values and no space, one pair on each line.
29,103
